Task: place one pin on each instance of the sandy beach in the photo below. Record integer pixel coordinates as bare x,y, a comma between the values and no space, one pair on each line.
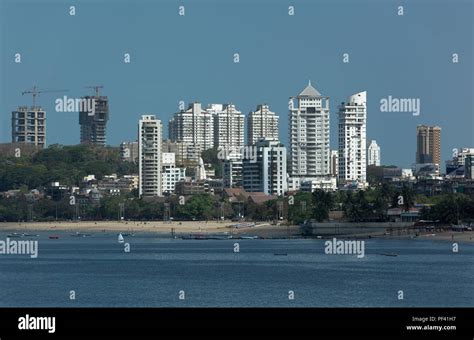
261,229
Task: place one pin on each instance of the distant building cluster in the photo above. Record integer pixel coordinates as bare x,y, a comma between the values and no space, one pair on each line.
250,154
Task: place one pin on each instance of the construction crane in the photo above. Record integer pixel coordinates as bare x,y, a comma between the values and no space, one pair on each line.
35,92
96,87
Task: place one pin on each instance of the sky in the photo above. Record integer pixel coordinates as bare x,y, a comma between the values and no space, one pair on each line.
191,58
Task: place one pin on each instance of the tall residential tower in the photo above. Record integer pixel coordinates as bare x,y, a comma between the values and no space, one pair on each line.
262,123
149,160
352,140
428,141
309,134
194,128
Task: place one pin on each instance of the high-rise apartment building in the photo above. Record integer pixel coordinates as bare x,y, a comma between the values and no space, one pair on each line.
195,128
94,124
352,140
428,140
373,154
267,171
309,134
149,165
29,126
262,123
228,126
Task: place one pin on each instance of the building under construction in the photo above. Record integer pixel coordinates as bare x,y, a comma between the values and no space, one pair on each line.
93,125
29,126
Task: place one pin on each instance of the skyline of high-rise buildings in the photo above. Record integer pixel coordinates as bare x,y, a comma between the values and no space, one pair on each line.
310,161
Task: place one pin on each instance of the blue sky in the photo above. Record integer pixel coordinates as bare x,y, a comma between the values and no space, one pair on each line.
190,58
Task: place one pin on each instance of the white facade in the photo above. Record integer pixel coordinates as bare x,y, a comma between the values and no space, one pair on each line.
373,154
262,123
266,173
170,176
149,149
232,170
323,183
309,134
193,127
352,140
228,126
168,158
461,155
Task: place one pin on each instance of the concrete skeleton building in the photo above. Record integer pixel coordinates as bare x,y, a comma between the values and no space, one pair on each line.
267,173
373,153
149,145
29,126
94,127
352,140
262,123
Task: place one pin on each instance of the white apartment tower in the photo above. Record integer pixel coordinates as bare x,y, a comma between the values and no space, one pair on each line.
228,126
262,123
267,172
309,134
149,160
194,128
352,140
373,154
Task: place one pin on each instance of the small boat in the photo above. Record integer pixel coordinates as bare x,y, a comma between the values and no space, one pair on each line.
53,237
120,238
14,235
389,254
280,254
78,234
29,235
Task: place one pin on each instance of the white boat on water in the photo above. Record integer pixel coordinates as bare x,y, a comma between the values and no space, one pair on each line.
120,238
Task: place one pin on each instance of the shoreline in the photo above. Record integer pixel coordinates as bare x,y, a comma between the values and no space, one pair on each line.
261,229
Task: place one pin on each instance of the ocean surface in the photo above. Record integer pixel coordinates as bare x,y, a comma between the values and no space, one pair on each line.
210,274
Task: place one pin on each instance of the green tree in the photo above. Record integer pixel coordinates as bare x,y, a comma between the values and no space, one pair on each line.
322,204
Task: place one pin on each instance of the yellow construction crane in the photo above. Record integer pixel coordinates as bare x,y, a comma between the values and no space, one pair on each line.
35,92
